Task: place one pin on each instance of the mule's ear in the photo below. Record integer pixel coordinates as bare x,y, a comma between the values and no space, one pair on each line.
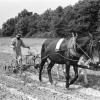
76,34
91,36
73,35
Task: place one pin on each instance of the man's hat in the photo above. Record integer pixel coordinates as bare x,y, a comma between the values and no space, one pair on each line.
18,35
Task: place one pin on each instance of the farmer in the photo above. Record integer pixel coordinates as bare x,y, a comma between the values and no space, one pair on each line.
16,44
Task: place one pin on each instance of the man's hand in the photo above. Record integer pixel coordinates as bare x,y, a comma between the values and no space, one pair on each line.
28,47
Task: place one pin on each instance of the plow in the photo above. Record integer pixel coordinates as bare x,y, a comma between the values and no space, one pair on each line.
19,65
30,61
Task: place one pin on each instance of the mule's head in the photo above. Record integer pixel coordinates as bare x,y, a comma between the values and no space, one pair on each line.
91,48
94,51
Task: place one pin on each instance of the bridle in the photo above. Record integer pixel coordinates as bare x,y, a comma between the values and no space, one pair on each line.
91,44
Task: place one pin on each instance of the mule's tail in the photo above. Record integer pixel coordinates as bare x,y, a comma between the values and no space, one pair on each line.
43,60
43,52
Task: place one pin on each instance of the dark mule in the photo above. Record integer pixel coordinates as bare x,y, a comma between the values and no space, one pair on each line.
68,54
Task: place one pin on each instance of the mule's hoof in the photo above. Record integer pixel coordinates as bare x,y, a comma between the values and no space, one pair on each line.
67,87
15,71
48,83
51,85
86,85
55,83
40,80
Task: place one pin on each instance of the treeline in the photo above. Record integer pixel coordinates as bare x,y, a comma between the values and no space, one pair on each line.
82,18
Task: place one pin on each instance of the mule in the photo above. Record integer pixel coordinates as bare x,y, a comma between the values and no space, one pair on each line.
68,54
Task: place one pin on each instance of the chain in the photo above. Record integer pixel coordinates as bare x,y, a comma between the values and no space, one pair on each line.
60,55
68,58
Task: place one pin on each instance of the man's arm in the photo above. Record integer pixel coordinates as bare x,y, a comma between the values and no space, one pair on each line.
13,43
23,45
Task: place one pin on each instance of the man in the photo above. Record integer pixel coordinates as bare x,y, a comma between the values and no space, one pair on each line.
16,45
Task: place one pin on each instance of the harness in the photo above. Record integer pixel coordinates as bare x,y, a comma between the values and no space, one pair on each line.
91,45
59,44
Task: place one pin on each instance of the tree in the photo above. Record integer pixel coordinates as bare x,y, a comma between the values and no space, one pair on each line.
83,17
22,22
24,13
62,23
21,26
32,25
8,27
86,13
1,32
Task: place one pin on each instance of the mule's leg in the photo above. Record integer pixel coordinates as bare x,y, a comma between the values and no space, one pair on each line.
58,71
49,71
41,68
85,77
45,66
76,74
83,72
63,68
67,75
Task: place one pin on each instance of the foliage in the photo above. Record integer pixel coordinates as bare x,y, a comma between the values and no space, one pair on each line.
0,32
83,17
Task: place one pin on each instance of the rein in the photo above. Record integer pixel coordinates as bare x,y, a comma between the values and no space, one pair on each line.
84,51
68,58
60,55
91,44
67,50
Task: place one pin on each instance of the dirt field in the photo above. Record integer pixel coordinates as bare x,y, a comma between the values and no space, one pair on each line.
28,87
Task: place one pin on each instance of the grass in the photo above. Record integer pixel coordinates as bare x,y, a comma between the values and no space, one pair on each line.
29,41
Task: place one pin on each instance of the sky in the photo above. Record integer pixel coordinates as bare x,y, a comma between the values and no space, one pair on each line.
11,8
